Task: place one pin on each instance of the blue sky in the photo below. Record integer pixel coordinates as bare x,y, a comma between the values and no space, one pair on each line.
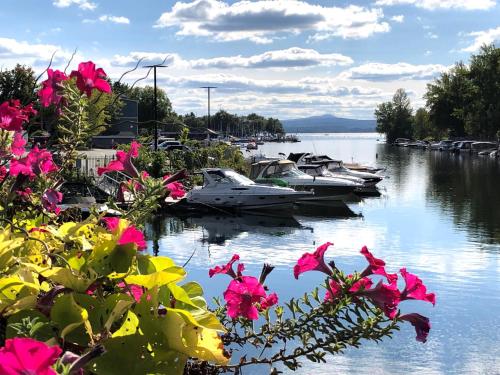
282,58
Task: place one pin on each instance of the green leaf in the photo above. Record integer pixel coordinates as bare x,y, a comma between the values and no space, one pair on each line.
68,315
157,279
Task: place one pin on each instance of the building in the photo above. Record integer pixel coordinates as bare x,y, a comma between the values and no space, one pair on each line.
123,130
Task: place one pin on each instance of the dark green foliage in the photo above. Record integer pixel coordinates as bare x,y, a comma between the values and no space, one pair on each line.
466,100
394,118
18,83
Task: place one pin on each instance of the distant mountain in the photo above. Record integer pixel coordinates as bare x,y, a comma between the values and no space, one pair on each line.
328,124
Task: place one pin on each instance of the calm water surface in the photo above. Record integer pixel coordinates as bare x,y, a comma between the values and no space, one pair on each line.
439,215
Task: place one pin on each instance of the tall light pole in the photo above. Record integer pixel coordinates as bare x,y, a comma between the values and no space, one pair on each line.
208,92
155,101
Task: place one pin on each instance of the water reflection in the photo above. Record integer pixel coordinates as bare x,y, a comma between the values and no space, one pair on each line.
438,215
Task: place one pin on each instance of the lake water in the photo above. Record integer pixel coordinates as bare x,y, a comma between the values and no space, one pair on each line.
438,215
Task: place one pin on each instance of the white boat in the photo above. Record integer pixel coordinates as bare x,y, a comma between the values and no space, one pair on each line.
336,167
319,170
224,188
286,173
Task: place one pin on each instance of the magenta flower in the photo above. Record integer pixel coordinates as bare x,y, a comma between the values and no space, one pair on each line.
25,356
336,291
3,173
227,269
111,223
241,296
12,116
50,199
18,143
89,78
129,235
421,323
361,284
376,266
132,235
123,161
135,290
50,92
313,262
268,301
415,289
385,296
37,162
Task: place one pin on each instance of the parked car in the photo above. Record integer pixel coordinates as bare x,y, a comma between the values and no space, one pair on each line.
178,147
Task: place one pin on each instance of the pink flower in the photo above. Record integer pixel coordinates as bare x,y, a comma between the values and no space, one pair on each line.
376,266
226,269
336,291
385,296
123,161
268,301
313,262
50,199
18,143
132,235
421,324
361,284
176,188
89,78
25,356
3,173
415,289
49,94
12,116
37,162
111,223
128,235
241,296
135,290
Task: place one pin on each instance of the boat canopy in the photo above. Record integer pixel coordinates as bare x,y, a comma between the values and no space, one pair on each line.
223,176
273,168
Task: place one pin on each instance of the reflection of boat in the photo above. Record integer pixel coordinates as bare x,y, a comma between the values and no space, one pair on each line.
224,188
336,167
224,227
286,173
333,209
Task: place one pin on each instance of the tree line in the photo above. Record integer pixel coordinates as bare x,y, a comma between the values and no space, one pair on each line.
20,82
463,102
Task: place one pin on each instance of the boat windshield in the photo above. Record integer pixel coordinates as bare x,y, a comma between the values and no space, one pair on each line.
238,178
229,177
283,170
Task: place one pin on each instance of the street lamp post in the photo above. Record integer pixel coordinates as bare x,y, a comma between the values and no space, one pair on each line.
155,102
208,92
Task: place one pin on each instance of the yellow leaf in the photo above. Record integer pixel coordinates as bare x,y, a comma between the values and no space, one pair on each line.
157,279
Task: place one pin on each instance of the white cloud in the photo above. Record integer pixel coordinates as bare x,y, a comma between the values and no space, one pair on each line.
114,19
442,4
399,19
82,4
294,57
431,35
31,53
482,37
262,21
391,72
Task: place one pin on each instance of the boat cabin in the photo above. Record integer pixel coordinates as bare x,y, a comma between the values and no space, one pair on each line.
274,169
215,176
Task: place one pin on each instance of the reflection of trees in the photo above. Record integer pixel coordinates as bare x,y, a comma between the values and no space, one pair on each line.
467,188
161,226
396,160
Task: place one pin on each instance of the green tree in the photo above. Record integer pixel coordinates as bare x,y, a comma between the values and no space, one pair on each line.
421,124
18,83
394,118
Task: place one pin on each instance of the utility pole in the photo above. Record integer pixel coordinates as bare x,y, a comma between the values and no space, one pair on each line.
155,102
208,92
